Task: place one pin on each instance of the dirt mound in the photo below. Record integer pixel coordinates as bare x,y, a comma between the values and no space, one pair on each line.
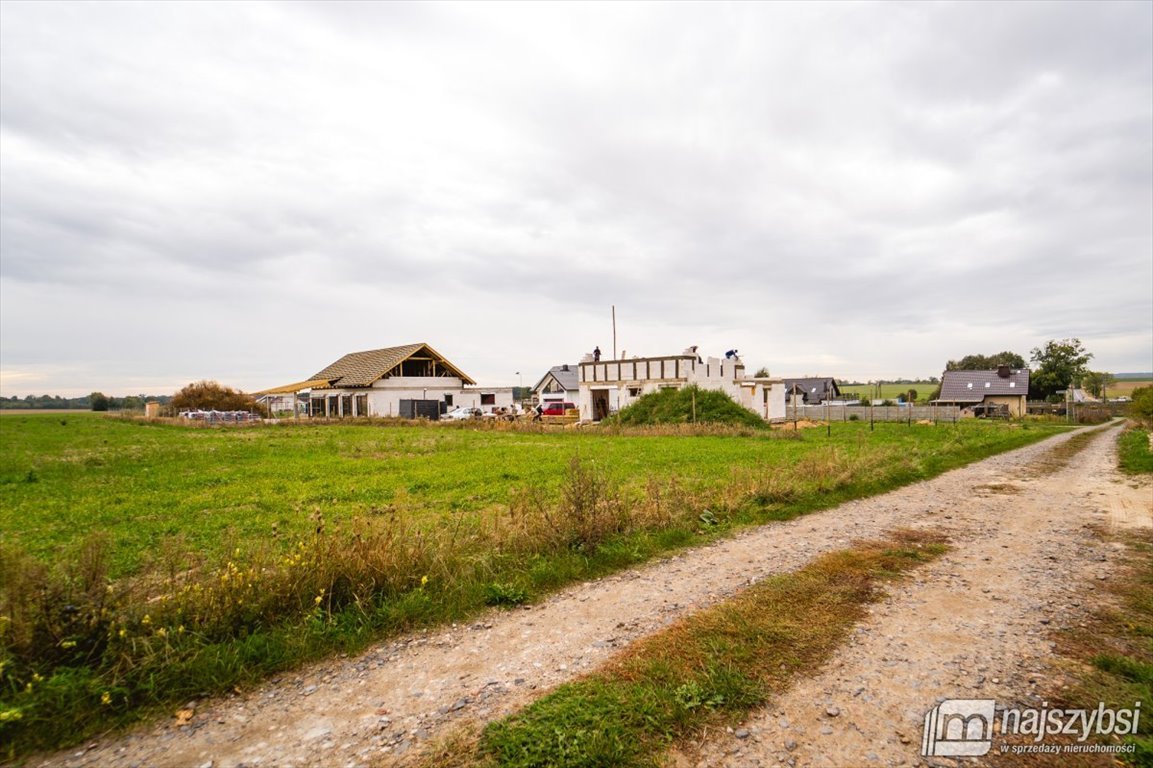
799,424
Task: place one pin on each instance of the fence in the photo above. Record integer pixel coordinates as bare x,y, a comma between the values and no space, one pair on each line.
879,413
1083,413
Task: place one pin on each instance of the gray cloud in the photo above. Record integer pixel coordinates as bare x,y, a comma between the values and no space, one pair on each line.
867,190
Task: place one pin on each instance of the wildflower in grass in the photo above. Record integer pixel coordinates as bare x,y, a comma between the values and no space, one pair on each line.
162,632
123,633
180,630
106,698
10,715
423,581
146,620
67,643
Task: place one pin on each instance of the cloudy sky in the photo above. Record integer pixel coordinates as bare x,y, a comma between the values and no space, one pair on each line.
246,191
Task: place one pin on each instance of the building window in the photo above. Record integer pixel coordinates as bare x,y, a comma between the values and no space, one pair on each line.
634,391
448,400
488,399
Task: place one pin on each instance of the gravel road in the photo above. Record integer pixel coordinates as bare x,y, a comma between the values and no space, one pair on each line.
973,625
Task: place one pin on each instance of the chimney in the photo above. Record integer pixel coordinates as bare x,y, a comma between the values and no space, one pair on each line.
1003,371
564,367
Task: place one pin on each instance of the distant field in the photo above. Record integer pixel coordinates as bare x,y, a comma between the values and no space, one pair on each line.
1126,386
891,391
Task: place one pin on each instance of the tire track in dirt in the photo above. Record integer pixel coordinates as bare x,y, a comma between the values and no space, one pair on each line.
377,707
975,624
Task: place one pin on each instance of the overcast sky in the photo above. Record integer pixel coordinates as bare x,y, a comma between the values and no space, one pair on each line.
247,191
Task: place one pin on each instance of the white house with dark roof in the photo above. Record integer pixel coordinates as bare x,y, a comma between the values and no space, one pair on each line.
813,390
413,380
560,385
1004,386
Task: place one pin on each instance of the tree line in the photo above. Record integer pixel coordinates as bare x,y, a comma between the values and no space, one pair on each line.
199,395
85,402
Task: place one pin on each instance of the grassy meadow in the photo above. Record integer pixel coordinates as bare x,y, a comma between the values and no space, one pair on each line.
145,563
889,390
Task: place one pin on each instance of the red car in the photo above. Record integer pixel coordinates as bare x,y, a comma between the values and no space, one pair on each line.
556,409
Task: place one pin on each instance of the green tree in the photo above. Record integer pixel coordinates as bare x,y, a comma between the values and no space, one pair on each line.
1141,409
1058,365
98,401
986,362
762,373
1097,383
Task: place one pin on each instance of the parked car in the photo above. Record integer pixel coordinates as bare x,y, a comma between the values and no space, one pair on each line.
462,413
557,409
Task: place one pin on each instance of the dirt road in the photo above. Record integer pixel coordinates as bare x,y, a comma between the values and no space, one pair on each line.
972,625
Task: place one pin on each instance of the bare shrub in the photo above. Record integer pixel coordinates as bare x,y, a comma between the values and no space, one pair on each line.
211,395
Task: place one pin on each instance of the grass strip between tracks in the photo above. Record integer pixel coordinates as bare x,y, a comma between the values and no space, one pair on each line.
707,669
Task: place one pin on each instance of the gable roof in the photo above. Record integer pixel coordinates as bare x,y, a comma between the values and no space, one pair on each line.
975,386
361,369
565,375
288,389
813,387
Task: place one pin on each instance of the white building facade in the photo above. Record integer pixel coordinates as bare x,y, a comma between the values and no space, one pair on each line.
411,381
606,386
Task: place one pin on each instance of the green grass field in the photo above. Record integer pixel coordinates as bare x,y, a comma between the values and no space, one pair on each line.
889,391
141,482
144,563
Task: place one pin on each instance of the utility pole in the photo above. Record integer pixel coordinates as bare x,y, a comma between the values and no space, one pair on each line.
614,331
